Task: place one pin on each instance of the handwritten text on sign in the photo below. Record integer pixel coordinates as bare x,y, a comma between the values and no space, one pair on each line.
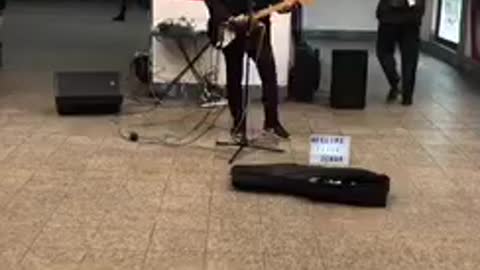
329,150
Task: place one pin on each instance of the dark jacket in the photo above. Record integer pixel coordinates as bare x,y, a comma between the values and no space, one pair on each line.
220,10
386,13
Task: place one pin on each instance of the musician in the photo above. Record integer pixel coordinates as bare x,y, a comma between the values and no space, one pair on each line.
222,11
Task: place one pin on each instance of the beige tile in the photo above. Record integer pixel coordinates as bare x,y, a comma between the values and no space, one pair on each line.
130,217
112,259
177,186
292,261
178,241
235,261
27,210
186,204
77,214
173,220
107,162
235,241
284,205
151,166
279,240
174,261
53,259
124,238
76,238
148,193
12,253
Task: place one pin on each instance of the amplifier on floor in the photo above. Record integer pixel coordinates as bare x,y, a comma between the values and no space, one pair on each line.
349,79
304,76
81,92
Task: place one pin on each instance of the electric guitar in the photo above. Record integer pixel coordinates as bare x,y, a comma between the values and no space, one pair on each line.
224,33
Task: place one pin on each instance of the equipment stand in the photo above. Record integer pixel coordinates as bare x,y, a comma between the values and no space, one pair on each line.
244,142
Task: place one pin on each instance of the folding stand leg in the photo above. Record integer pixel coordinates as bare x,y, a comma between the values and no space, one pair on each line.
169,88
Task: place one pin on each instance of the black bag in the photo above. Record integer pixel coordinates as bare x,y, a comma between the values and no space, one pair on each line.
304,76
339,185
141,67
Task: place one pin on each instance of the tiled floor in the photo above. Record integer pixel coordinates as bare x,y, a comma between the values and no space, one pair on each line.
74,195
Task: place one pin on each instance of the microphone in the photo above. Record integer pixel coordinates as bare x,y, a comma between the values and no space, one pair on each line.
133,136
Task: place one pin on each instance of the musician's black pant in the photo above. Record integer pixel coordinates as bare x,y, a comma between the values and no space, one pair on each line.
407,37
123,7
234,56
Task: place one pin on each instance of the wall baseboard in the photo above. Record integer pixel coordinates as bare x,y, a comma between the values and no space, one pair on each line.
341,35
470,67
467,66
440,52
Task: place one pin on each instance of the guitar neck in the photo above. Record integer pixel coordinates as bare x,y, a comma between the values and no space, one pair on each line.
269,10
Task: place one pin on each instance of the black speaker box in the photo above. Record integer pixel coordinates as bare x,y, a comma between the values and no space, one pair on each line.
338,185
87,92
349,79
304,76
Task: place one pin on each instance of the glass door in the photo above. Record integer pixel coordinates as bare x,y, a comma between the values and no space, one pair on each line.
449,22
475,29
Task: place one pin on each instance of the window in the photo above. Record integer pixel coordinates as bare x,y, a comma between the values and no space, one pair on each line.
449,22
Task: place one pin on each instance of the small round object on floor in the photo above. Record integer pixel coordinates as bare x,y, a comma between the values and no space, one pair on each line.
133,136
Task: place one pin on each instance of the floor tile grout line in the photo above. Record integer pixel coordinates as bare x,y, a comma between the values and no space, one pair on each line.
34,174
149,245
205,248
42,227
154,229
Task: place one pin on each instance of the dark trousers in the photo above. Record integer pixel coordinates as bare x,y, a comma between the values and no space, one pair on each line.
407,37
123,7
265,63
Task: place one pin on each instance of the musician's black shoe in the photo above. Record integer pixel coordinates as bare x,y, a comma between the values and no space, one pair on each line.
407,100
393,95
238,136
238,131
119,18
278,130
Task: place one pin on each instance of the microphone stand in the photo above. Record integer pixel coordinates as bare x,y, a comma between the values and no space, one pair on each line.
244,142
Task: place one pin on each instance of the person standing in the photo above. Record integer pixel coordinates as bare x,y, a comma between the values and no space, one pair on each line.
231,11
399,24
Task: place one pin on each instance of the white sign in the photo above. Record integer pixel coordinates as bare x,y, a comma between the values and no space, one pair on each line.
329,150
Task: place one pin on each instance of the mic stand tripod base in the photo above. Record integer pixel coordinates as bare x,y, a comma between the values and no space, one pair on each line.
245,143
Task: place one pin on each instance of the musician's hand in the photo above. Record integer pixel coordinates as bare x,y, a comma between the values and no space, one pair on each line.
289,7
239,21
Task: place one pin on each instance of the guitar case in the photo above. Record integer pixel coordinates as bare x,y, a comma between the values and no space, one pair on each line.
338,185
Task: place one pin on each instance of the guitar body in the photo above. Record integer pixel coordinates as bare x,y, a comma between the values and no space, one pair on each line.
221,34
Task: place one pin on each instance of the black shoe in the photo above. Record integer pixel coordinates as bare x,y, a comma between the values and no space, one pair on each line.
119,18
407,101
237,135
392,95
278,130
